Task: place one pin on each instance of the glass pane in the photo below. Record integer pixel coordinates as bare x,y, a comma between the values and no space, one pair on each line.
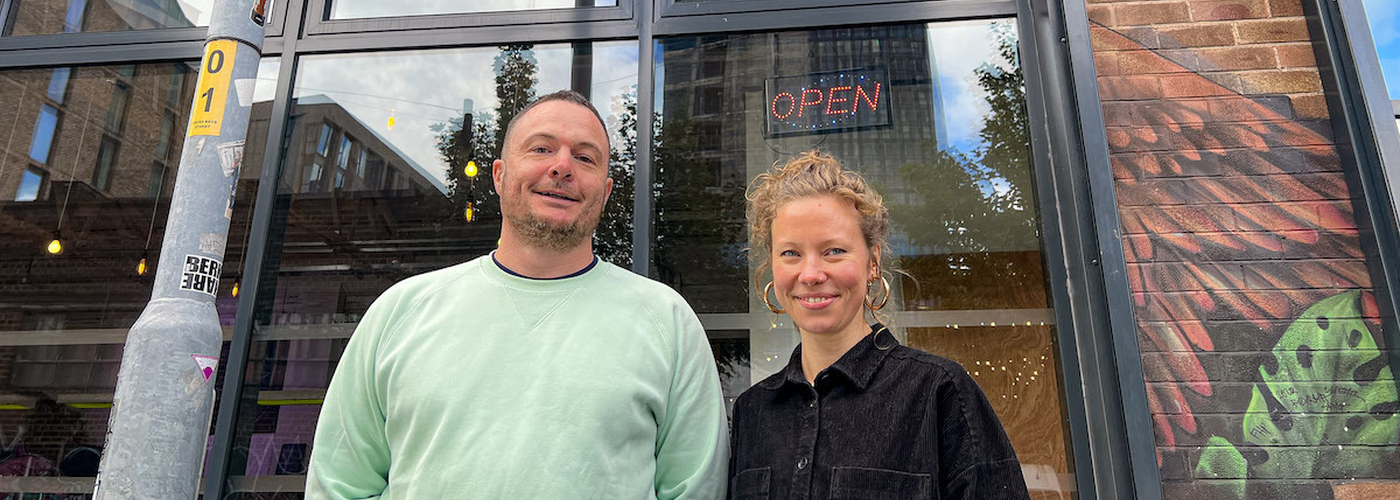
385,177
64,317
1384,18
45,17
30,184
933,115
45,123
351,9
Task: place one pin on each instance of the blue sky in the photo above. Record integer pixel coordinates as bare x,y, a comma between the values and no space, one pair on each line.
1384,17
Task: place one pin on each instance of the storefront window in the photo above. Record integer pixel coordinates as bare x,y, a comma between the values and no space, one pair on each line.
65,307
45,17
387,175
934,115
352,9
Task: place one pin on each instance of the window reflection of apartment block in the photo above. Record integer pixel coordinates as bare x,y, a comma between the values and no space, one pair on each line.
333,151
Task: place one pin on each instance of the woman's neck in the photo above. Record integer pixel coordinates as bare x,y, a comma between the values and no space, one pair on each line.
820,351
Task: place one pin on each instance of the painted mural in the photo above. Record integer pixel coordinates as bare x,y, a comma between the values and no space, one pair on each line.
1261,340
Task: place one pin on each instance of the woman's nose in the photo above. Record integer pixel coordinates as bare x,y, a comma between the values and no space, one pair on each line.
812,272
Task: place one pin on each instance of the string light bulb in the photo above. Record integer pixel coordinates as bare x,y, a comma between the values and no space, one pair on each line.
471,170
55,246
469,213
141,267
235,288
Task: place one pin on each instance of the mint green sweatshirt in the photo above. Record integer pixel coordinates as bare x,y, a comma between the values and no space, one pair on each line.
470,382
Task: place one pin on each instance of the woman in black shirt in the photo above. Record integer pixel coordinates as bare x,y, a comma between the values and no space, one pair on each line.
855,415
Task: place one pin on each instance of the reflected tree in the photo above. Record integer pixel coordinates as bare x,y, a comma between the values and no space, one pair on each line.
973,206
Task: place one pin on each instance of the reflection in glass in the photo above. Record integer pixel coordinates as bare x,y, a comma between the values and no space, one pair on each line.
352,9
934,116
44,17
387,174
101,188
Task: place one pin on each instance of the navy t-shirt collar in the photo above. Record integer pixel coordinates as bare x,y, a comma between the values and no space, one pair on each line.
580,272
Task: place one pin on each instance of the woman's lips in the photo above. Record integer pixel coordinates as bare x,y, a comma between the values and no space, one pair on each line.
815,301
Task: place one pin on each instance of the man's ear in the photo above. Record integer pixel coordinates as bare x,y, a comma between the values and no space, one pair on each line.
498,172
607,193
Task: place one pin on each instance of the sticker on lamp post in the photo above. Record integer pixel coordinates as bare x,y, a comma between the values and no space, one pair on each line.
823,103
201,274
207,365
214,74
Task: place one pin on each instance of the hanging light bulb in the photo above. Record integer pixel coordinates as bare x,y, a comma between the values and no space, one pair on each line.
235,288
56,246
469,213
471,168
141,267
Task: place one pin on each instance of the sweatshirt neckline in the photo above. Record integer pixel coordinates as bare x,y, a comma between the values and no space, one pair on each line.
500,273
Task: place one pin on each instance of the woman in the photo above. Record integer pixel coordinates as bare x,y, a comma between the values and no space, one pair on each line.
854,415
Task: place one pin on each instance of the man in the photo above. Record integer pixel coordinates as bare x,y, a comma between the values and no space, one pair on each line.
536,372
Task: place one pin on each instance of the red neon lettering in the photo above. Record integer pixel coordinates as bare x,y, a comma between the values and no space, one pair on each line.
804,103
792,103
860,93
831,98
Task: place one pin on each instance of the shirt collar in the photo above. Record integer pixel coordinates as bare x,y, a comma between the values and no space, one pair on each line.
858,365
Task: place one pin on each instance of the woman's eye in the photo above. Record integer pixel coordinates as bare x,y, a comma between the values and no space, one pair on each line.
788,253
836,251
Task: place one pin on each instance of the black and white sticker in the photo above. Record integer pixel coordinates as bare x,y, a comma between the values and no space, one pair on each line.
201,274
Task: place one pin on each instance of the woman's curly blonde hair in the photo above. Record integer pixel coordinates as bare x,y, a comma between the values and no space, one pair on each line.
810,173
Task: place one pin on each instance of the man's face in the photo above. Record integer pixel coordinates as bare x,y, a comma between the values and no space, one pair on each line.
553,176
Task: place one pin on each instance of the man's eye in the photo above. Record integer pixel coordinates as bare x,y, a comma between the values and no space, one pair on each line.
585,159
539,149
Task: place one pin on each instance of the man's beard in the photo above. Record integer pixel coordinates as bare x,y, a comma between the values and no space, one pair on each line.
547,235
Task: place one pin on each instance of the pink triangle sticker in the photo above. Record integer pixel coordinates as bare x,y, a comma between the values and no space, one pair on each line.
206,365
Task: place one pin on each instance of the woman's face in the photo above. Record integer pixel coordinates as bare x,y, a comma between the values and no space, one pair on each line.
821,265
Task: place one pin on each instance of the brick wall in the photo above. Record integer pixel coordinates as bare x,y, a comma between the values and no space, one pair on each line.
1243,254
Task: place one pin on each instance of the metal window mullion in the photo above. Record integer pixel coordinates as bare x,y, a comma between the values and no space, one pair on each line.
646,99
1034,37
836,16
1125,458
230,399
6,7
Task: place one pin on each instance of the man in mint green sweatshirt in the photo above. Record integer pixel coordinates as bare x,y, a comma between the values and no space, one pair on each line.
536,372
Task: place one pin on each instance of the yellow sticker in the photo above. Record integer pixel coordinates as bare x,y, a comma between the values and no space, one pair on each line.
213,88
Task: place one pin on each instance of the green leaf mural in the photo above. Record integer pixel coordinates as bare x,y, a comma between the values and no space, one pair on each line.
1326,407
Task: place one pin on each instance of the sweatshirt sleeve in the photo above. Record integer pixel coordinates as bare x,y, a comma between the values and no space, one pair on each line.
350,454
692,445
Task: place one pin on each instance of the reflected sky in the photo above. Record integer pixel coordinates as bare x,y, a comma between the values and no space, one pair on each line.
421,89
1384,18
351,9
957,49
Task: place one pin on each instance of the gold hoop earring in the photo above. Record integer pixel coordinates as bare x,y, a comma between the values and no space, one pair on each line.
883,300
766,289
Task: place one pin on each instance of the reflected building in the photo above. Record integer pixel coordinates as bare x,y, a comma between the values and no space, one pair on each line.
76,16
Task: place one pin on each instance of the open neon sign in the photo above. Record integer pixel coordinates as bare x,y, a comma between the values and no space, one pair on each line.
828,102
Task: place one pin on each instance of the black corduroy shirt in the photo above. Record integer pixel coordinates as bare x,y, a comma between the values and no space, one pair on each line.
883,422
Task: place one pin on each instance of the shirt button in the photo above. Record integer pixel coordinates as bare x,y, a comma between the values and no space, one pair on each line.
812,404
802,463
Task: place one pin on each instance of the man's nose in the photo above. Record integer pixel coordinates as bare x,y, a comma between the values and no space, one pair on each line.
563,165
